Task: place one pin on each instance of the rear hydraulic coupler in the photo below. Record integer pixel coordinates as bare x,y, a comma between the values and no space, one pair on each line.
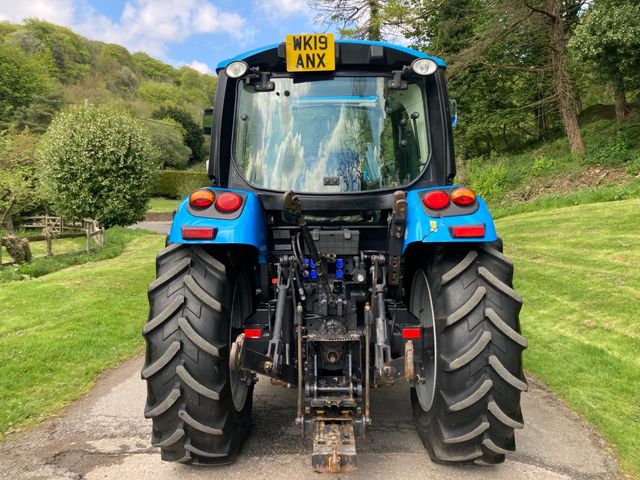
293,206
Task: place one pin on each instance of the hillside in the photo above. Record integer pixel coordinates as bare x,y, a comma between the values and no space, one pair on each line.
45,67
547,175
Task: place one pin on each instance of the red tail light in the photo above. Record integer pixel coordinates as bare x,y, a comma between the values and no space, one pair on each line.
436,200
411,333
463,196
468,231
202,198
252,332
228,202
198,233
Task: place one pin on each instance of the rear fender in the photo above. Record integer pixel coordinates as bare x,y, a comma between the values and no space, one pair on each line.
423,227
248,228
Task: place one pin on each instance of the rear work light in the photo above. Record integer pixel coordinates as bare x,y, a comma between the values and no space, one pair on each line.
202,198
424,66
228,202
463,196
468,231
436,200
411,333
236,69
198,233
252,332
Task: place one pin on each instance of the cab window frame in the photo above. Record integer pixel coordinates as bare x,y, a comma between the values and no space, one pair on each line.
315,76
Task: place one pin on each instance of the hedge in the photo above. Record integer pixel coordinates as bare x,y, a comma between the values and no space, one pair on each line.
178,183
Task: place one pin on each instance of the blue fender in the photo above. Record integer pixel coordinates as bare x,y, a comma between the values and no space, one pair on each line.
427,229
248,229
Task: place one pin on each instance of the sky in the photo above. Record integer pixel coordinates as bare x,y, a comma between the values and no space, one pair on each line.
199,33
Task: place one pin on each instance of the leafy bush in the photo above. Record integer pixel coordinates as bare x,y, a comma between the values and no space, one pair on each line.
612,143
177,184
542,166
98,163
488,180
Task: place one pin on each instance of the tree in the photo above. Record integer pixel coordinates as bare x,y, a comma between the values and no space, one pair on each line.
197,84
444,28
21,79
154,69
38,114
497,70
608,39
117,67
98,163
193,132
565,94
20,190
507,65
168,137
366,19
71,52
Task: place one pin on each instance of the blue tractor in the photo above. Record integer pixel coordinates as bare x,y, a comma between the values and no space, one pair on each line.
333,254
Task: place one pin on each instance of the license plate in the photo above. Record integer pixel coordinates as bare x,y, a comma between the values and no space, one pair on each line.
311,52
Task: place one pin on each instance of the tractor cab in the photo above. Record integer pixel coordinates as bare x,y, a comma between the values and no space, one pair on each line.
338,122
332,254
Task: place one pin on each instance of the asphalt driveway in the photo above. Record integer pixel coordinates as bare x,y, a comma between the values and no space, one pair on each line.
104,436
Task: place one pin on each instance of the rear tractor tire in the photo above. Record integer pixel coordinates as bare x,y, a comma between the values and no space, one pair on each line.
468,406
201,411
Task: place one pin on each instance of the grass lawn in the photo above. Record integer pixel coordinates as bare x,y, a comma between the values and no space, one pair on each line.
576,267
68,252
159,204
578,271
60,246
59,331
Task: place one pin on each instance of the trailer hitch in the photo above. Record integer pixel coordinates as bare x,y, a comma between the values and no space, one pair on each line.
334,446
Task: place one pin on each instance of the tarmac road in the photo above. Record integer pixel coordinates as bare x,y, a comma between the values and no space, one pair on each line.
104,436
156,227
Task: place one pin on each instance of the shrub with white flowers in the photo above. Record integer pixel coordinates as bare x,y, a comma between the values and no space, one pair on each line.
98,163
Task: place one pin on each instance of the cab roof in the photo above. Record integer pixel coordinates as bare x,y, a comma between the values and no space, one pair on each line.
349,53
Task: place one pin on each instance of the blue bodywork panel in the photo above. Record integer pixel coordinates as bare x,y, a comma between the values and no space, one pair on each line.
248,229
415,53
423,228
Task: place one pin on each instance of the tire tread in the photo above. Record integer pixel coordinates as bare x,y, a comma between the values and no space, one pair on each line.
189,399
479,376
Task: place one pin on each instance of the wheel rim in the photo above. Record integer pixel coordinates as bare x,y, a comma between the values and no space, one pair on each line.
240,309
421,305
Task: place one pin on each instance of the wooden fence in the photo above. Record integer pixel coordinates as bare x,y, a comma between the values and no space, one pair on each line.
53,228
